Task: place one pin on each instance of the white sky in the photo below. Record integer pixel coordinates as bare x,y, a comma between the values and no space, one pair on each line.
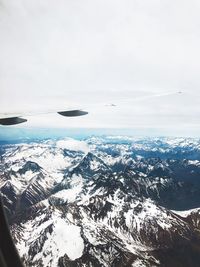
89,54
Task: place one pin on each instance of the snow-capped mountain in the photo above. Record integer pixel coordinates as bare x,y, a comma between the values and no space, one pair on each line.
105,201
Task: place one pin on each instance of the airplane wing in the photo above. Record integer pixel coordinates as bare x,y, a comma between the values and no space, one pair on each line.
16,118
12,118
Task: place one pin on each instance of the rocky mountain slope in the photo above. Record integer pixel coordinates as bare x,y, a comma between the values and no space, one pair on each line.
104,201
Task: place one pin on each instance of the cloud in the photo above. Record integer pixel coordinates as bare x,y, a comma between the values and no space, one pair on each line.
73,144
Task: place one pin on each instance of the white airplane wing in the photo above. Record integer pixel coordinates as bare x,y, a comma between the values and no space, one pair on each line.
13,117
16,118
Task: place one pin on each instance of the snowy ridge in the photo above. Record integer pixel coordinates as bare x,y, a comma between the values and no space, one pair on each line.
186,213
63,238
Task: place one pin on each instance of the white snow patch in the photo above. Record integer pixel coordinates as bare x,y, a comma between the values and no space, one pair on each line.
194,162
69,195
148,211
65,239
52,161
138,263
94,165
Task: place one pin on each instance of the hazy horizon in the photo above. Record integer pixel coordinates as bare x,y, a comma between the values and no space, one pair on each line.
12,134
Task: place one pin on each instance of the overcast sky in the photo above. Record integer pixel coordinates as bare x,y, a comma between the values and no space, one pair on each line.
136,54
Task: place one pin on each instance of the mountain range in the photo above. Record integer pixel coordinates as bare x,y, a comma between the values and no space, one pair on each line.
108,201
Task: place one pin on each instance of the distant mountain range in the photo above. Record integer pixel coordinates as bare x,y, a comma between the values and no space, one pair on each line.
108,201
